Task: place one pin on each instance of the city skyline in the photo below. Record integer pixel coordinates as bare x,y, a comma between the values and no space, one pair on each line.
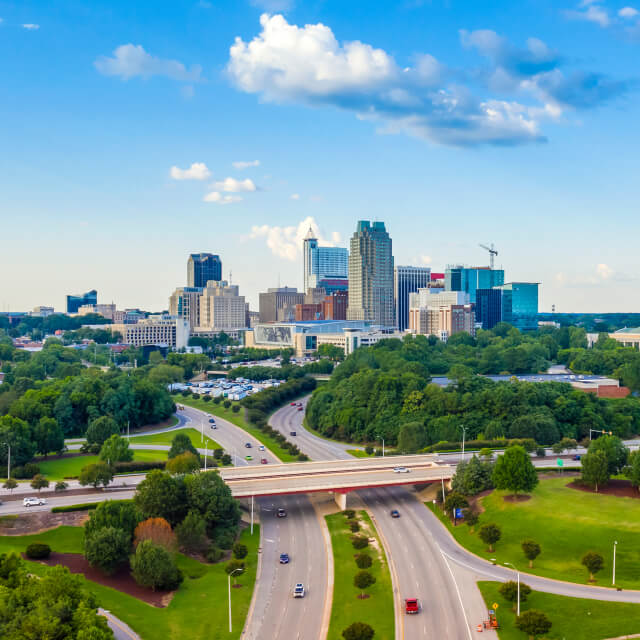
119,158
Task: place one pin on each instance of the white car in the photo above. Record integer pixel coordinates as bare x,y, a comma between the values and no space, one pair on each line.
33,502
400,470
298,590
261,447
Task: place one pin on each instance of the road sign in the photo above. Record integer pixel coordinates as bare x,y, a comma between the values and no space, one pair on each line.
495,605
560,462
459,515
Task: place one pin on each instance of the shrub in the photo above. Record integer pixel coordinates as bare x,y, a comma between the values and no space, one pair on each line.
234,565
303,457
218,453
240,551
509,591
533,623
153,566
217,400
26,472
358,631
181,443
214,554
226,404
360,542
207,398
363,560
235,408
107,549
38,551
354,526
368,450
39,482
87,506
363,580
191,533
541,452
183,463
158,530
61,486
349,513
226,459
138,465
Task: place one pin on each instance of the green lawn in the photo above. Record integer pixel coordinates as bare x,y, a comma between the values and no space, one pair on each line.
195,435
566,523
198,611
377,610
572,618
359,453
239,421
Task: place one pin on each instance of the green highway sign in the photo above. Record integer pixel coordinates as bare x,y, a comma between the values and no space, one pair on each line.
560,462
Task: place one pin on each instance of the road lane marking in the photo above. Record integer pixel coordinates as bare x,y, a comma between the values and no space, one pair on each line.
464,613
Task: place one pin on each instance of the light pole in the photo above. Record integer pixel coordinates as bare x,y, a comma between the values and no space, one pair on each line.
8,460
599,431
229,588
464,432
518,574
613,580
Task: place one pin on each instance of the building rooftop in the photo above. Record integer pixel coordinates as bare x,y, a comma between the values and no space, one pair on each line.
633,330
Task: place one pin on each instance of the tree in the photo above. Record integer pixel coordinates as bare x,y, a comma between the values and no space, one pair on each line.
411,437
593,562
101,429
160,495
363,560
509,591
632,471
116,449
455,501
240,551
363,580
153,566
184,463
490,534
107,548
235,567
158,530
48,436
531,550
614,450
10,484
514,471
533,623
113,513
595,469
191,533
39,482
180,444
471,518
358,631
96,474
473,476
61,485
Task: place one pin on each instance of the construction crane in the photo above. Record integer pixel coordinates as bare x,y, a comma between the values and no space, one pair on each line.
493,252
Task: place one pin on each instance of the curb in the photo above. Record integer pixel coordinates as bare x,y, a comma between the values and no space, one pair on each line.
328,600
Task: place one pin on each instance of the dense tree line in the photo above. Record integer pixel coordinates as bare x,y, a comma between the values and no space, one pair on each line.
286,372
383,391
37,327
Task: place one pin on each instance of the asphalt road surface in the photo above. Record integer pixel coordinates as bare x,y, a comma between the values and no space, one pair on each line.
277,615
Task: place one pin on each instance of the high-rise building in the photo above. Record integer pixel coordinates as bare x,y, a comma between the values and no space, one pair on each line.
203,267
323,263
442,321
470,279
520,304
407,280
222,307
159,330
488,307
74,302
334,306
371,275
185,303
279,304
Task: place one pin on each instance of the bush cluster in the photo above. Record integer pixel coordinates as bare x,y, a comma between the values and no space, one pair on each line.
38,551
138,465
89,506
25,472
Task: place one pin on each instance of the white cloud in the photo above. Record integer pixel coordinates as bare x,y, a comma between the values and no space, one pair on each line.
286,242
197,171
295,196
602,274
591,11
628,12
425,259
30,26
235,186
245,164
130,61
218,198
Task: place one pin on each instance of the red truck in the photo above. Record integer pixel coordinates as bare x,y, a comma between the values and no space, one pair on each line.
411,605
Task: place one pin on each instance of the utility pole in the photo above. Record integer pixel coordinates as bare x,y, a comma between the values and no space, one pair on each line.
613,581
464,431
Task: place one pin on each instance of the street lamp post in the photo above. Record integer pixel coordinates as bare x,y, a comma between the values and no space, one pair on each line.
464,432
613,580
599,431
8,460
229,589
518,578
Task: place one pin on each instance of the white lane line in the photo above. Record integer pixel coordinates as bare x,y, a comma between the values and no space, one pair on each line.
464,613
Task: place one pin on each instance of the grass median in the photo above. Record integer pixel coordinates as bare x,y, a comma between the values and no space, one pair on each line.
195,435
566,523
574,618
377,609
198,610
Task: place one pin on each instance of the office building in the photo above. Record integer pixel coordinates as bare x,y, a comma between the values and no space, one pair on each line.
470,279
157,330
184,302
488,307
520,304
222,308
42,311
203,267
442,321
371,275
74,302
323,263
407,280
434,298
279,304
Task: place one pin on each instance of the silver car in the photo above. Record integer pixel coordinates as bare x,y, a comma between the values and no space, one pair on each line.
33,502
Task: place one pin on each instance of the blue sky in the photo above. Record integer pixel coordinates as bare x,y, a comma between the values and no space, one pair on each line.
135,133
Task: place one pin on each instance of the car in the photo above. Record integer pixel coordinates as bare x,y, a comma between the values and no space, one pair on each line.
411,605
576,457
248,457
394,513
298,590
33,502
247,445
400,470
293,433
293,404
281,513
212,421
263,461
284,558
299,404
213,426
300,408
261,447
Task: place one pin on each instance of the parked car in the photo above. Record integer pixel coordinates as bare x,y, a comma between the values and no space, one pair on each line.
411,605
298,590
395,513
33,502
284,558
263,461
281,513
400,470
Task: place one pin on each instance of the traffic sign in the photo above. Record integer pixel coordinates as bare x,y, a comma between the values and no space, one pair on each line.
495,605
560,462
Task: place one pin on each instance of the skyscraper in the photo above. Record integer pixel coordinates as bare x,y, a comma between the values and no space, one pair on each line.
469,279
202,267
184,302
74,302
407,280
371,275
520,304
323,263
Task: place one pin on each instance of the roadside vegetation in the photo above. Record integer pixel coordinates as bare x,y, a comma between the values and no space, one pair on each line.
195,435
360,569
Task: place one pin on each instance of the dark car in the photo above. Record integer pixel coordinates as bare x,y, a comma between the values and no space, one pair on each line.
395,513
576,457
281,513
293,433
247,445
212,420
300,408
284,558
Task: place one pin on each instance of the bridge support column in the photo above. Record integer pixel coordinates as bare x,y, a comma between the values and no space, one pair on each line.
341,499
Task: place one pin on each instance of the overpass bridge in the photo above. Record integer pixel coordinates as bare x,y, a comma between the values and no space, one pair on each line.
337,476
